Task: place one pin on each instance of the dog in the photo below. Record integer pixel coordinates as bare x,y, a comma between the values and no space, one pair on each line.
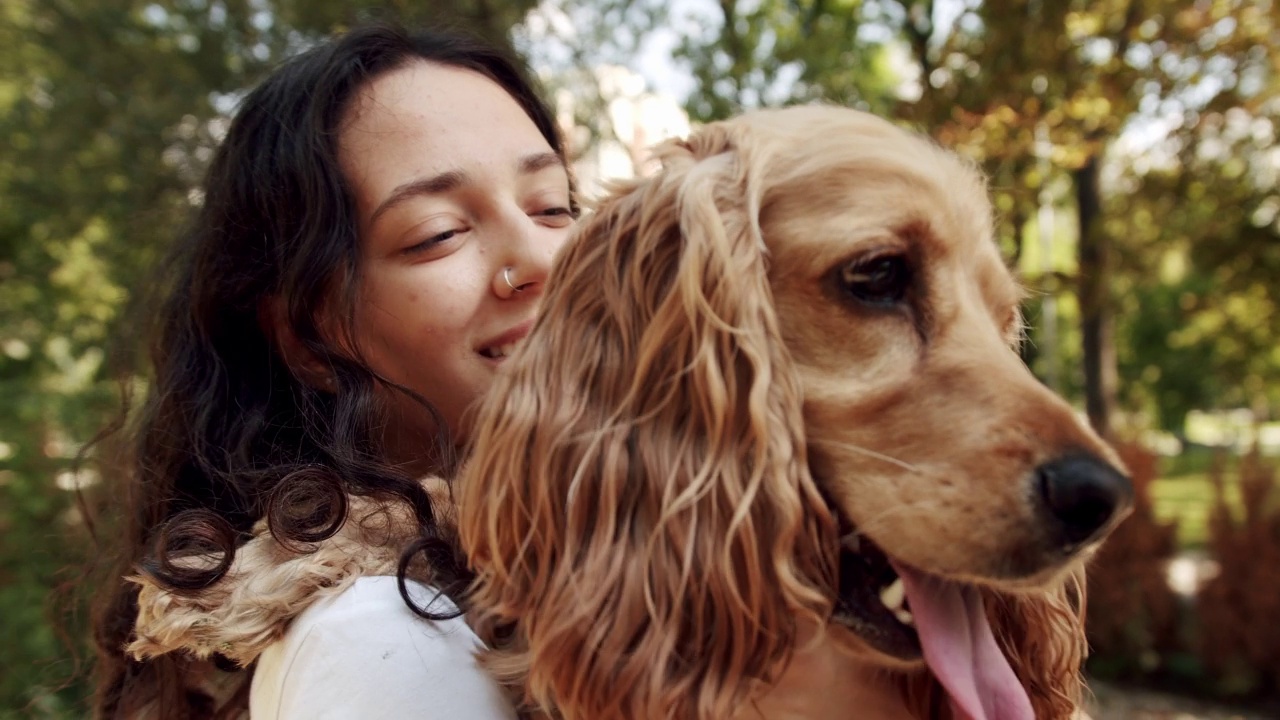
770,451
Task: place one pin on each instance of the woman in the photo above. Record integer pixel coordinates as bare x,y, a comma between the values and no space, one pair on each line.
375,231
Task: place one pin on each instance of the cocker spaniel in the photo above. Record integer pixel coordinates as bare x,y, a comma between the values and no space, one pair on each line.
769,451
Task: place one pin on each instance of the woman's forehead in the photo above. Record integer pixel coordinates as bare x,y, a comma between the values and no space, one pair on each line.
426,119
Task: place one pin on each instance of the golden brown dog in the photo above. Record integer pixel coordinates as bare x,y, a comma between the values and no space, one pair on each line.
769,451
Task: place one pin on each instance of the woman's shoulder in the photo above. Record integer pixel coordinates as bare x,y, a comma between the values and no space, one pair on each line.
364,653
371,614
378,599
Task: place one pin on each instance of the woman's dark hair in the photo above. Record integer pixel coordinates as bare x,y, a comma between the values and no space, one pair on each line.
230,433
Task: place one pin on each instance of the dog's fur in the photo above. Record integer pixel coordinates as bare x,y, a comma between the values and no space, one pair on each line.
649,504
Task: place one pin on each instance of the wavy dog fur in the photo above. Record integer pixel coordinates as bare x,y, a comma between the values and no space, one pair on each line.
679,413
640,508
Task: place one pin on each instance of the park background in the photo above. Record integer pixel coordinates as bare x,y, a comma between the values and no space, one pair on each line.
1131,146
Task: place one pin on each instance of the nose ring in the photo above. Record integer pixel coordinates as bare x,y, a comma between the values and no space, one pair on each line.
506,276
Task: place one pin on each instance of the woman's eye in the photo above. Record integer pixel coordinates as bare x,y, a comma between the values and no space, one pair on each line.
879,281
430,242
557,213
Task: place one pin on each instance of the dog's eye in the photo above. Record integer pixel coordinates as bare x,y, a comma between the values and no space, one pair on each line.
880,281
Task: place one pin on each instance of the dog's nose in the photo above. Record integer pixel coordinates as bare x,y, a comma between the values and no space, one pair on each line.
1082,493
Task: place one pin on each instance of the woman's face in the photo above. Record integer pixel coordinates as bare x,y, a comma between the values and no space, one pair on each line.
457,192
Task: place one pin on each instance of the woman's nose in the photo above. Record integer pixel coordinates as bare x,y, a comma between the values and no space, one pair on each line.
527,257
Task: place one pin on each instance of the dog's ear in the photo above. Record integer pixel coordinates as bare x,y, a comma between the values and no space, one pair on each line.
638,507
1042,634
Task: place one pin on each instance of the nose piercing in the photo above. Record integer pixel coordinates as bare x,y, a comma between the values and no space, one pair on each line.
506,276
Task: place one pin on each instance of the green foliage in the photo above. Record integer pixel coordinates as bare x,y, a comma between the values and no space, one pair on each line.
777,52
1167,362
1209,328
87,198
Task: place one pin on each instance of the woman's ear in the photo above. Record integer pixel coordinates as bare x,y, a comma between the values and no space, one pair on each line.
637,506
273,318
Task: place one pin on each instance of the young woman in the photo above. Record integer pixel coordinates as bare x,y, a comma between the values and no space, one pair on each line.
374,234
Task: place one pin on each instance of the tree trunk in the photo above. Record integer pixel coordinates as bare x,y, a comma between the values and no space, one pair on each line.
1096,309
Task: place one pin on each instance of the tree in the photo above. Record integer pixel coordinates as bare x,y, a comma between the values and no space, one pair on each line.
778,52
1210,327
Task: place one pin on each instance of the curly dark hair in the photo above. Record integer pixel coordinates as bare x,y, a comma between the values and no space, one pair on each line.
230,433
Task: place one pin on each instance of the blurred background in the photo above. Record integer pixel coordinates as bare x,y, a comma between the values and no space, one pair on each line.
1131,146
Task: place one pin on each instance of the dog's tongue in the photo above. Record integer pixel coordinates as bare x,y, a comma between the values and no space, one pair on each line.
961,650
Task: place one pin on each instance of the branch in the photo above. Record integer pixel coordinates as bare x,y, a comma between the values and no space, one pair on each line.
1126,31
919,36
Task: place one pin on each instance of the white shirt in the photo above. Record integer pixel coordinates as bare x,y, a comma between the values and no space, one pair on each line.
363,654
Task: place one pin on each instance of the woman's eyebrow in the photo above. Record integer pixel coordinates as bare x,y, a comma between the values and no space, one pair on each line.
530,164
454,179
434,185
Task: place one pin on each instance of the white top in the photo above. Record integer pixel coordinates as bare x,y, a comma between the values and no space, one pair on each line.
364,654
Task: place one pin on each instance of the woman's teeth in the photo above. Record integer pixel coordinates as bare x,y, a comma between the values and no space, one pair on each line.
499,351
894,597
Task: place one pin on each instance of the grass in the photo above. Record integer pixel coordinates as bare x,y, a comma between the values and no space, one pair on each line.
1188,499
1185,494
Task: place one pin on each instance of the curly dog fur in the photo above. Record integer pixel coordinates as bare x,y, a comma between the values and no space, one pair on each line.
663,474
